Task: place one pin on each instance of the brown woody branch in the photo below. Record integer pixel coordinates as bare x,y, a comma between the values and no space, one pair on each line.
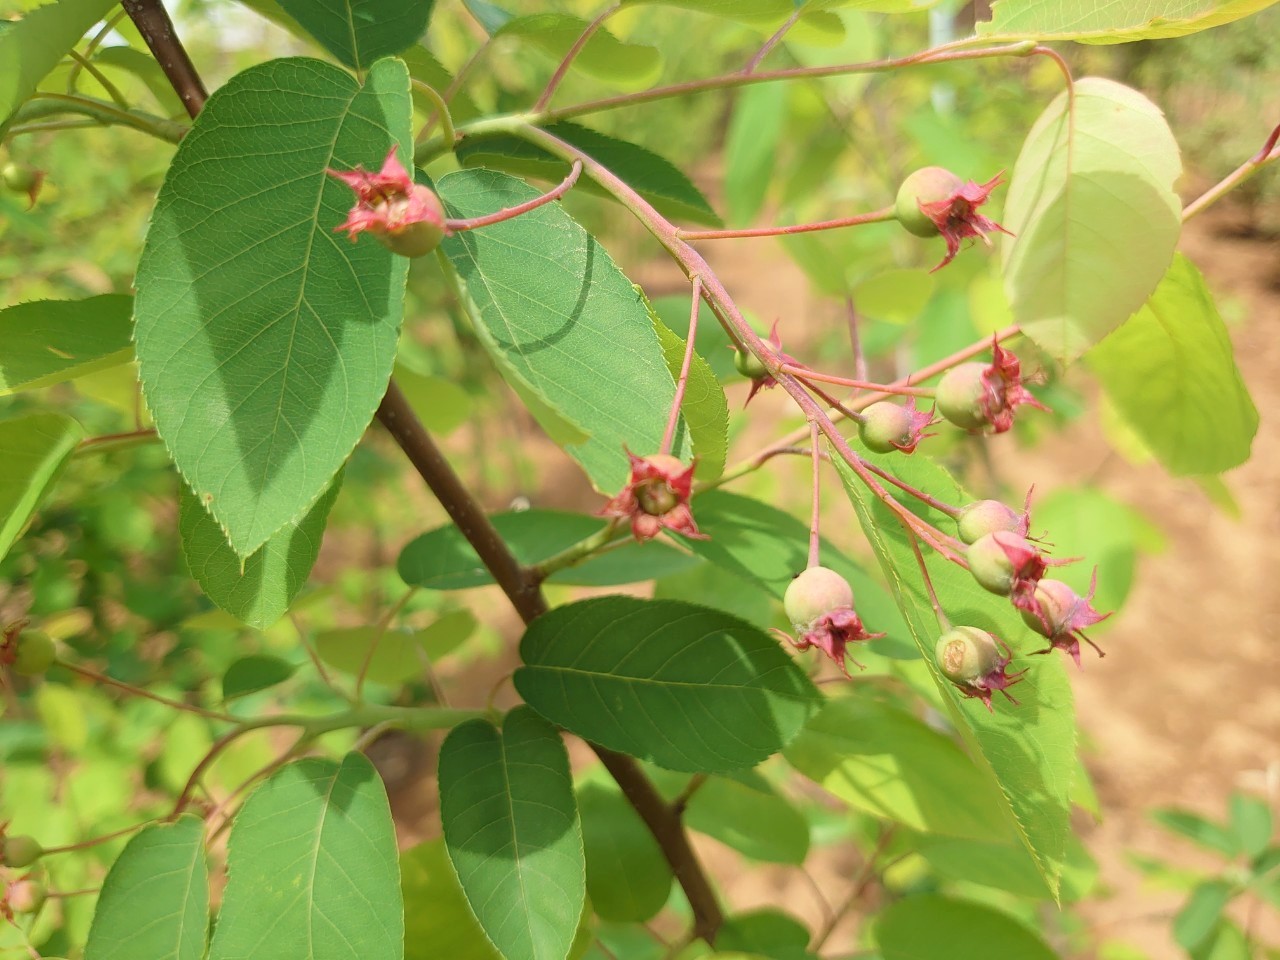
152,21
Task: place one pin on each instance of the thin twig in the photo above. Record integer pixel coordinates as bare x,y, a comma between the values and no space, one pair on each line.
876,216
669,435
112,90
1269,153
508,213
773,40
152,21
572,54
146,694
860,883
815,539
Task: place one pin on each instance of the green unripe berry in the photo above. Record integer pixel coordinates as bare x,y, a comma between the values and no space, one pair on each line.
20,851
884,425
989,562
35,653
966,654
749,365
815,592
1056,600
655,496
961,395
926,185
981,517
27,895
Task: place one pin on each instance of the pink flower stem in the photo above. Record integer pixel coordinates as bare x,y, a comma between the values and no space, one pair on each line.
815,540
920,495
668,437
804,373
773,41
831,401
1269,153
855,340
145,694
877,216
508,213
94,841
941,54
943,623
572,54
724,307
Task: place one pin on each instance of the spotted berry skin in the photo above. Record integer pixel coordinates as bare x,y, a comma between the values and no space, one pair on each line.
885,427
20,851
816,592
981,517
926,185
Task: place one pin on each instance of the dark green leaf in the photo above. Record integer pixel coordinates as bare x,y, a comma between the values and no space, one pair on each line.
397,655
253,673
704,410
312,869
48,341
34,45
932,927
257,589
686,687
1198,917
769,546
751,147
765,933
745,813
512,832
1251,823
1170,372
628,879
1006,866
652,176
265,341
884,761
1199,830
1225,942
713,586
562,320
1092,204
1030,748
155,900
358,32
437,921
442,559
36,448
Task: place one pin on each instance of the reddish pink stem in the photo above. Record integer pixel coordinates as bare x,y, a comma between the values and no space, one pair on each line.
878,216
571,55
920,495
668,438
555,193
943,623
804,373
773,41
815,540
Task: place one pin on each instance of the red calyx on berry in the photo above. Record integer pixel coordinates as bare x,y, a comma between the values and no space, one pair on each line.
656,498
971,659
819,604
886,426
406,217
1061,615
978,396
933,201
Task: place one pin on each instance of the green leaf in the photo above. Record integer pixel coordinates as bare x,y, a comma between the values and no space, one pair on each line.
652,176
1198,830
745,813
253,673
398,655
704,410
683,686
604,57
1225,942
872,6
257,589
441,404
628,879
34,45
560,318
437,921
898,296
1030,748
265,341
358,32
933,927
751,147
145,68
1092,205
757,13
155,900
313,870
1005,866
512,832
490,16
442,559
760,543
765,933
48,341
1199,916
1251,823
885,762
1084,522
1170,372
36,449
1111,23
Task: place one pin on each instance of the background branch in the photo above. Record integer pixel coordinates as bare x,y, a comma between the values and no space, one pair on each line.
152,21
